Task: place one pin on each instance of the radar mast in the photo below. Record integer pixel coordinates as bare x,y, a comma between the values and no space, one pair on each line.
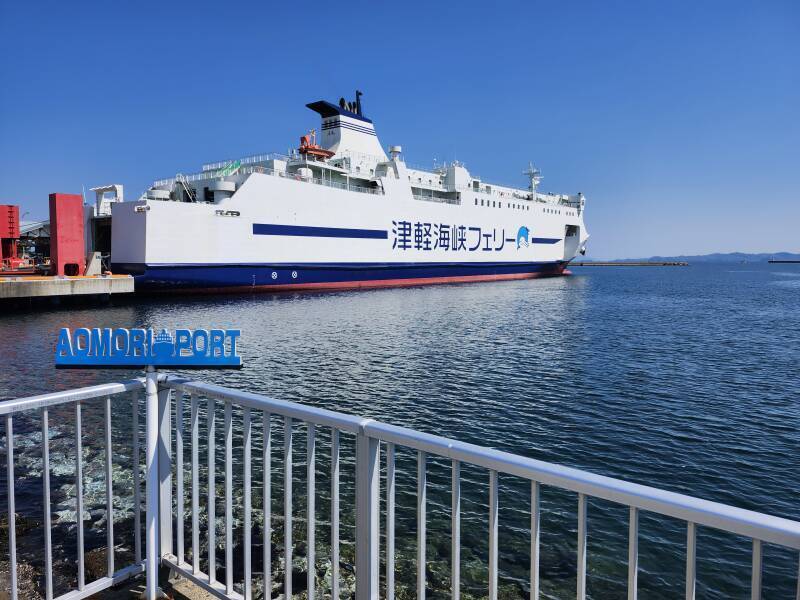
535,176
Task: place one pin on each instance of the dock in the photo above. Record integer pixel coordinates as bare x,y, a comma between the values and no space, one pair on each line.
630,264
783,262
26,286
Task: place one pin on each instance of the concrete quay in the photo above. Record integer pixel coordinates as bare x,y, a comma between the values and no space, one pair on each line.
22,287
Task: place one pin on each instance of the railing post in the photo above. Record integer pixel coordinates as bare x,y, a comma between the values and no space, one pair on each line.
367,488
151,483
165,470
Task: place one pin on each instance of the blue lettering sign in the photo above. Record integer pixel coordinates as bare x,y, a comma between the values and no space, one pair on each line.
98,348
427,237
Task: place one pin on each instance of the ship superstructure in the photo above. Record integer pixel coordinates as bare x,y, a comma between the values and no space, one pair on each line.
339,212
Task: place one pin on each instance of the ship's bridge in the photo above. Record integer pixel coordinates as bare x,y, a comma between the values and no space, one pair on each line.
347,154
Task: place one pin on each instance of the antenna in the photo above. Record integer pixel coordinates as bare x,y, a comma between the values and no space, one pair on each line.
535,176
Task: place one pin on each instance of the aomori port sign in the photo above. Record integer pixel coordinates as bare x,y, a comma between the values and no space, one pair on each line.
120,348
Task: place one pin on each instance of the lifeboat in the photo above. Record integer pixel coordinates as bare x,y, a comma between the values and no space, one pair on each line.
309,146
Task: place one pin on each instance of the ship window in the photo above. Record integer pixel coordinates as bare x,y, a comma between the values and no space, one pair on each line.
476,202
481,202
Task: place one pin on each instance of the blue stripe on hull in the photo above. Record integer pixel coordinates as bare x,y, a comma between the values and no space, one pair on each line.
305,231
154,277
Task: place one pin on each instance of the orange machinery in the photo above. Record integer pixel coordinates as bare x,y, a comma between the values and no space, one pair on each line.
9,236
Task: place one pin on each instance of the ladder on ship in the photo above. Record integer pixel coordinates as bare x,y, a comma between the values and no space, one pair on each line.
189,191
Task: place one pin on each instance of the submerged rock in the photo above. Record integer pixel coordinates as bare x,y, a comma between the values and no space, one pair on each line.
21,525
96,565
27,578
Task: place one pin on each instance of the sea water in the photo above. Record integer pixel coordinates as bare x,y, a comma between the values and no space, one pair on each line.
685,378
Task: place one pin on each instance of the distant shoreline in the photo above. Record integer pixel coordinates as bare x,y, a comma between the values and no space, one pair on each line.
629,263
715,257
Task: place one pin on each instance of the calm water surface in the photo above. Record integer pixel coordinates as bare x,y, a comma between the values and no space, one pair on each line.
683,378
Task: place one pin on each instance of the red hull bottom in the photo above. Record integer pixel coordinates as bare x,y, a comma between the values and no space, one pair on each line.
361,285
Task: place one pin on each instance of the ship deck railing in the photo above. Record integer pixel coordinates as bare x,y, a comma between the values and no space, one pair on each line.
247,160
179,412
439,199
247,170
316,180
251,164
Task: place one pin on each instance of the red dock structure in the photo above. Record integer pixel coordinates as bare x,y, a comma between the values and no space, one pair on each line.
67,244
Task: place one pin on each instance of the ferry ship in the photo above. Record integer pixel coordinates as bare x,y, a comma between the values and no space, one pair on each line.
336,213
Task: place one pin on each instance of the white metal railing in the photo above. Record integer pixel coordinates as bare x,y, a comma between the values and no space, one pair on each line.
208,175
326,182
209,169
43,404
436,199
185,178
171,502
248,160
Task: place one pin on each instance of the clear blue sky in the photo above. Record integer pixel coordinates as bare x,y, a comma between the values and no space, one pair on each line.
680,121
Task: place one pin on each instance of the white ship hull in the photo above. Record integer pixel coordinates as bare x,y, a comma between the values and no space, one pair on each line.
284,228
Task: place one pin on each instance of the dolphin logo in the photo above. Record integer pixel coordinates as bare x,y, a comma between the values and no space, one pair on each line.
522,237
